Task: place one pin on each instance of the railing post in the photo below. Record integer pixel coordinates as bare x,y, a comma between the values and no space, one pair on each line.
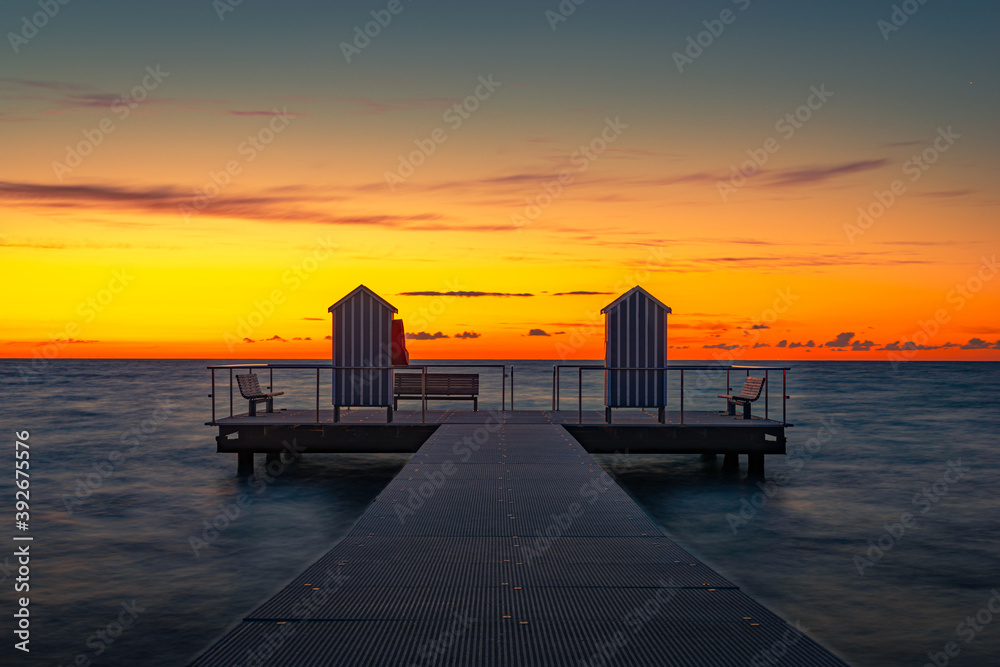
553,387
766,383
212,395
230,392
784,395
512,387
270,379
729,388
503,388
682,395
579,371
317,395
423,394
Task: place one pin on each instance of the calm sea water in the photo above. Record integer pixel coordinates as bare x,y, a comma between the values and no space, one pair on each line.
126,485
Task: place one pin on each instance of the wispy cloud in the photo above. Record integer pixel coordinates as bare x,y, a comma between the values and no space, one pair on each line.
538,332
468,334
812,174
423,335
579,293
463,293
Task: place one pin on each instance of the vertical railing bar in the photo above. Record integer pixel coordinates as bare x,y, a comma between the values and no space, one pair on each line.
503,388
729,388
512,387
579,417
213,395
317,394
423,394
682,395
784,395
766,383
270,379
230,392
553,387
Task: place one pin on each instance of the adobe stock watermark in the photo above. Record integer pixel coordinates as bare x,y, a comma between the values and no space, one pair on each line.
899,17
580,159
634,621
797,459
223,7
88,310
107,466
229,513
363,35
967,631
786,126
455,116
419,493
577,335
101,640
775,653
696,44
272,640
121,108
247,150
906,349
562,12
266,306
31,25
435,649
591,491
915,168
925,500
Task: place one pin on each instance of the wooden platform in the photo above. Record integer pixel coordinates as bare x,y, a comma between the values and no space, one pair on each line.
634,432
502,542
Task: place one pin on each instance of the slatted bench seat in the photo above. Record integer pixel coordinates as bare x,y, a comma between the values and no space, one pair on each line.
750,393
250,390
450,386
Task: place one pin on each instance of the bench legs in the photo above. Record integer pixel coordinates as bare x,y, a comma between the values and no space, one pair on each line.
475,404
746,410
730,408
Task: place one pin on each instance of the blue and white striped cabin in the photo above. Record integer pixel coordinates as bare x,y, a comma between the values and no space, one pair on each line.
362,337
635,336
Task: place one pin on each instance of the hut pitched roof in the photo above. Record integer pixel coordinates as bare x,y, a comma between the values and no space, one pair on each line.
614,304
362,288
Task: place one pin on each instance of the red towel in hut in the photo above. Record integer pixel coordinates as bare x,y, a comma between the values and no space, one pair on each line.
400,357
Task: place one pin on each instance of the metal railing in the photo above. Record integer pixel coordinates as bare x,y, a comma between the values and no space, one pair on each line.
665,370
319,367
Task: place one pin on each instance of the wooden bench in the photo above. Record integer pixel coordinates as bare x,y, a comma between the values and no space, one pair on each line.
250,390
450,386
750,393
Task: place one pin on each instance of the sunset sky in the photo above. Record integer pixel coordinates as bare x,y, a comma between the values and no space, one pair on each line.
199,179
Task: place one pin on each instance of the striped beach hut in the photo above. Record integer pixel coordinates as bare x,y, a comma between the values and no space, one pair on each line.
362,340
635,337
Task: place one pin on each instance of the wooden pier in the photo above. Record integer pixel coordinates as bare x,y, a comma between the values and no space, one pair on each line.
502,542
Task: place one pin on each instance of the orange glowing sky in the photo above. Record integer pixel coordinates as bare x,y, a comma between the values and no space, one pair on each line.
197,222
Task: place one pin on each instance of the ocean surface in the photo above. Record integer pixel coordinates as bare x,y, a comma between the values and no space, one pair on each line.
879,533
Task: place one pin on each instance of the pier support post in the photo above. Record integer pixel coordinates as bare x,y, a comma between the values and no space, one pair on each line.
336,414
388,415
708,456
244,464
273,456
731,462
755,466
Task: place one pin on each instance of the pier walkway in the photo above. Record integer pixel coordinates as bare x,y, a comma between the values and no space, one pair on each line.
506,544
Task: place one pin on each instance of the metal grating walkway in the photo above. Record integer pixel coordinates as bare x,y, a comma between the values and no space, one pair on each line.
506,544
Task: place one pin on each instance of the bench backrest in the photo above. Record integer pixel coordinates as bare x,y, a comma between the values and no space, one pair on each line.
249,386
751,389
447,384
